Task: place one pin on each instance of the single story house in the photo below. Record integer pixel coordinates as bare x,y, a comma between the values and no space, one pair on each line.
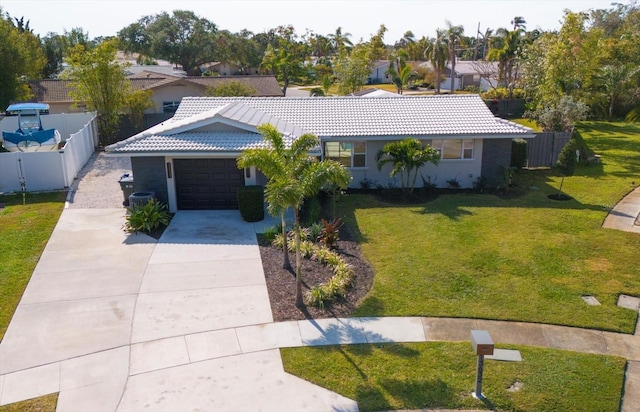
189,161
482,74
167,90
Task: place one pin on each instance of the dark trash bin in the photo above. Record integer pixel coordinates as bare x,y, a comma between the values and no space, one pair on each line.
126,184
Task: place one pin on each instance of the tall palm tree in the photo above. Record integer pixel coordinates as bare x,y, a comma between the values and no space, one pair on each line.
505,49
454,37
519,23
340,40
293,176
437,53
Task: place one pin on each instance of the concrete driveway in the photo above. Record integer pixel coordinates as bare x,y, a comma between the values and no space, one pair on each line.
118,322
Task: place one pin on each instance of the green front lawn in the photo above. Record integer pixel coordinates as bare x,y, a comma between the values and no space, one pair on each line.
24,232
523,257
442,375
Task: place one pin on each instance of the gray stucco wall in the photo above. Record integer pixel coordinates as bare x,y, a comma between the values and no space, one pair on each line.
495,153
149,175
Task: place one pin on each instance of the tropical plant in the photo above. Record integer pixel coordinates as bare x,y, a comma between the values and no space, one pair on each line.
438,54
330,232
339,41
293,177
401,73
407,156
505,49
454,38
147,218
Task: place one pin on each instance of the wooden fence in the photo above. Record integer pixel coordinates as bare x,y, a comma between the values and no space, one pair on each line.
544,149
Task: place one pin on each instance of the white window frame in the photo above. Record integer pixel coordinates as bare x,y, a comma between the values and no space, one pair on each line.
467,148
352,151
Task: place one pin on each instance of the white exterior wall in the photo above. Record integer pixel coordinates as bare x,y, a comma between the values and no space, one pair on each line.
51,170
174,93
465,171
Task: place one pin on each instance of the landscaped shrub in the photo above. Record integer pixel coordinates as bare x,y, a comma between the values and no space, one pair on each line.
428,185
315,230
147,218
518,153
330,233
337,286
251,203
270,233
453,184
480,184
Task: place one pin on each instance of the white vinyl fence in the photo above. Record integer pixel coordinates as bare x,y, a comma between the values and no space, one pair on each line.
55,169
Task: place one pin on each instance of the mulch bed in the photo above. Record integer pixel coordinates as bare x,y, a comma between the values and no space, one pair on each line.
282,287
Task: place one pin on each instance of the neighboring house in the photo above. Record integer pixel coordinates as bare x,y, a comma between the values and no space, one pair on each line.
482,74
167,90
189,161
379,72
227,69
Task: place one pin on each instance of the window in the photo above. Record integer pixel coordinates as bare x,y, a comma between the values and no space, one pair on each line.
350,154
170,107
454,148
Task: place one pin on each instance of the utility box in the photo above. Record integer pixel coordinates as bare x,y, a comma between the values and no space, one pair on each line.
481,342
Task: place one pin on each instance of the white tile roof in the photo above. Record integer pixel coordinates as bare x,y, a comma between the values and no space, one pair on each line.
388,116
453,116
187,142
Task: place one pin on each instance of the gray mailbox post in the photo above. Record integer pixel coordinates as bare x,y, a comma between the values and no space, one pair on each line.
482,345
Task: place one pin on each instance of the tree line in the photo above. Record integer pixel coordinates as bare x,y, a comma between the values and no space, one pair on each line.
591,59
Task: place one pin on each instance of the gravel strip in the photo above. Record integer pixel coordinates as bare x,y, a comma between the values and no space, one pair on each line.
97,186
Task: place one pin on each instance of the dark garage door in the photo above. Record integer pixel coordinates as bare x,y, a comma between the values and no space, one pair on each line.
207,183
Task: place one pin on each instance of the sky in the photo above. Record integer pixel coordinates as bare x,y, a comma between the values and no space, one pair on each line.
360,18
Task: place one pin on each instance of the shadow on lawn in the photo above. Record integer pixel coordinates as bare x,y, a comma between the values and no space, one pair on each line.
413,394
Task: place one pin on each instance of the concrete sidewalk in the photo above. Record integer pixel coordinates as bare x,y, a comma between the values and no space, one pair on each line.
626,214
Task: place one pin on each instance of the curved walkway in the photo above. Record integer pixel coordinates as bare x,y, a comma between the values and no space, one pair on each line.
118,322
626,214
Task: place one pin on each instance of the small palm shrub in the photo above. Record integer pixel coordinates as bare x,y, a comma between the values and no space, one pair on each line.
315,231
306,249
147,218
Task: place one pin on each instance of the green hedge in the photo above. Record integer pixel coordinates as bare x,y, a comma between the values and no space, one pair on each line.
518,153
251,203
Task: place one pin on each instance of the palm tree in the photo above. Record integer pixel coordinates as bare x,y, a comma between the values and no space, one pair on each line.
402,73
519,23
437,53
454,37
293,176
340,41
505,49
406,156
